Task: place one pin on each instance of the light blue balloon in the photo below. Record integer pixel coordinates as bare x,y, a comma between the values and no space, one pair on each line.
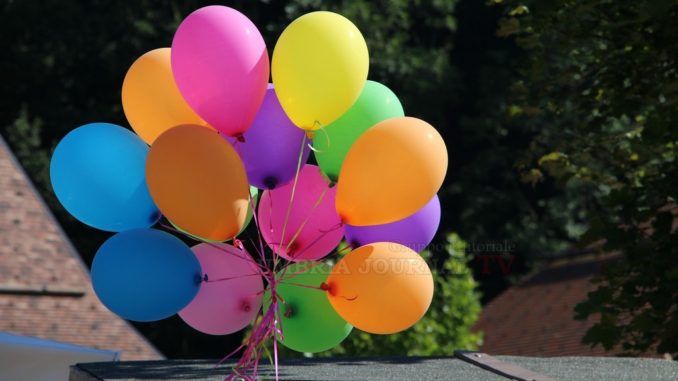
145,274
98,172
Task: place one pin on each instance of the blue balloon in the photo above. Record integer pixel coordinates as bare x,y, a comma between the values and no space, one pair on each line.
145,274
98,172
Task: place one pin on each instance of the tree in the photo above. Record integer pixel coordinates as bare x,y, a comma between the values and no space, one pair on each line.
599,89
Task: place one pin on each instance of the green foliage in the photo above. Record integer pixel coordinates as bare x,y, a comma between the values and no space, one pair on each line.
446,326
24,135
601,81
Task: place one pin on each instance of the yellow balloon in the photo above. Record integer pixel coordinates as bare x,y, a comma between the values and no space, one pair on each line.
390,172
151,99
319,68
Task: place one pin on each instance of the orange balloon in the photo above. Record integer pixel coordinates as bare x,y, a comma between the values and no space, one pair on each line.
198,181
391,172
151,99
382,287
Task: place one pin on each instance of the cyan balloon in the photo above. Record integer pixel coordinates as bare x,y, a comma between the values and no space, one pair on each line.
145,274
98,175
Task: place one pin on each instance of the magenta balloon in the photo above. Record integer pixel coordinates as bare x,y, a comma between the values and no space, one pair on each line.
415,231
224,306
220,64
315,219
272,145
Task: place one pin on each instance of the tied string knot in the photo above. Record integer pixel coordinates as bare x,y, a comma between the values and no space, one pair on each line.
330,289
238,244
311,134
245,306
326,287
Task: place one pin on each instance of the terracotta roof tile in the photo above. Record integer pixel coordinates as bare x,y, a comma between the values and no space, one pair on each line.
45,290
536,317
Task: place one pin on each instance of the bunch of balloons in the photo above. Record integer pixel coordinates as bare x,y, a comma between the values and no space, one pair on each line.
210,133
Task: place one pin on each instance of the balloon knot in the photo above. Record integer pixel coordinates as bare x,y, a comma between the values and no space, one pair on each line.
310,134
238,244
289,312
245,306
326,287
240,138
292,249
205,278
270,182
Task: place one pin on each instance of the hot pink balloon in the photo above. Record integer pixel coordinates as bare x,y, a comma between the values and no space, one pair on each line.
231,298
220,64
313,227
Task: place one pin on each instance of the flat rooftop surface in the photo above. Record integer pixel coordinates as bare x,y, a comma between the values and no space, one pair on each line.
387,369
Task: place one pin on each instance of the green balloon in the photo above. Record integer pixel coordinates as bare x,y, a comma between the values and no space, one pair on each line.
376,103
254,192
309,323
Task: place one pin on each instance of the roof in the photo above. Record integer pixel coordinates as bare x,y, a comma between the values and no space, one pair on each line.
45,289
536,317
388,369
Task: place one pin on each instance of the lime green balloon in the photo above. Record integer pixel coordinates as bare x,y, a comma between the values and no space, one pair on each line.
309,322
376,103
254,192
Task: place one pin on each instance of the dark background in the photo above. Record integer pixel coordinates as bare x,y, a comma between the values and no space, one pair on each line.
63,63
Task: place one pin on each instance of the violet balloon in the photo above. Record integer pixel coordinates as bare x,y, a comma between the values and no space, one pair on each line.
312,229
415,231
231,297
220,65
271,145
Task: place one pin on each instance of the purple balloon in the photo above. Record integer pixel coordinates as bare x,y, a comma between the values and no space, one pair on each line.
415,231
271,146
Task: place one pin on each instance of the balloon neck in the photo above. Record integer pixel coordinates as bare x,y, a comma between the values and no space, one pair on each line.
326,287
310,134
155,216
289,312
245,306
292,249
270,182
240,138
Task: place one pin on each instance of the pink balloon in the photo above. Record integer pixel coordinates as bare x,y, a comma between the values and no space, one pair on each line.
312,218
227,305
220,64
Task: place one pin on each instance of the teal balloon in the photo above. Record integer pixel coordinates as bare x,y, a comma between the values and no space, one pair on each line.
376,103
309,323
98,174
145,274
